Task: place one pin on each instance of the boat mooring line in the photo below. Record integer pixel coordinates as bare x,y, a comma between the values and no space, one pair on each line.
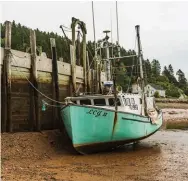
34,86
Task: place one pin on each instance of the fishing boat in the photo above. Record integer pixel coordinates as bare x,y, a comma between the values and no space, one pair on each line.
102,121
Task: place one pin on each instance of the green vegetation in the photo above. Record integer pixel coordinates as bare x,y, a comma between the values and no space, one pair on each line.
156,95
125,75
175,105
177,124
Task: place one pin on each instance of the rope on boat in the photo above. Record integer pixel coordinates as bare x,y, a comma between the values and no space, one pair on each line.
53,100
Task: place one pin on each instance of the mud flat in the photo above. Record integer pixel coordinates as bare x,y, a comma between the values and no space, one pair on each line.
43,156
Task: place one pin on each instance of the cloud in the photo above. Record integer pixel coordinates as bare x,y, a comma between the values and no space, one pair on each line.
163,24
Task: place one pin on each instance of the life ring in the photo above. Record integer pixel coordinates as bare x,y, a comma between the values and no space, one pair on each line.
119,89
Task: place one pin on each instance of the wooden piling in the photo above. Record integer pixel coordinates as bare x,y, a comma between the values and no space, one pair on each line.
34,105
73,70
55,84
3,98
78,49
88,74
99,78
73,56
8,69
6,84
84,62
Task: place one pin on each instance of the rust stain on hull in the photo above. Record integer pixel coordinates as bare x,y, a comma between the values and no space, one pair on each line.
115,121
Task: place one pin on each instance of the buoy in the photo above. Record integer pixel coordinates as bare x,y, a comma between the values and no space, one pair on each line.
119,89
43,106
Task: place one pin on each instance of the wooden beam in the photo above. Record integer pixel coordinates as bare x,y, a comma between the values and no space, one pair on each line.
73,69
78,48
55,84
8,70
6,82
34,106
88,74
73,56
99,78
84,62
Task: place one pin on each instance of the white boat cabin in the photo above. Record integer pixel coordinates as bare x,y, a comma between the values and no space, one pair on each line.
125,102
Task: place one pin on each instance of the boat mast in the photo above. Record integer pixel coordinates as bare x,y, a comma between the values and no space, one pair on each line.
107,62
114,71
117,30
140,57
111,33
94,30
95,57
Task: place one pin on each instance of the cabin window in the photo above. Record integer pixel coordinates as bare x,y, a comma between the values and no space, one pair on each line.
132,101
127,102
112,102
85,102
140,101
99,102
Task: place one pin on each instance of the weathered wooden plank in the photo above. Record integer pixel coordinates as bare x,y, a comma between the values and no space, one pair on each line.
17,117
21,59
34,94
3,98
44,64
99,78
79,72
23,104
73,66
8,73
20,87
44,77
88,73
20,70
64,68
63,78
78,48
84,61
55,84
1,56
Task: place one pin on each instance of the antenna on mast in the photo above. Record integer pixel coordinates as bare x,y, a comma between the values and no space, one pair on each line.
94,28
117,23
96,73
111,32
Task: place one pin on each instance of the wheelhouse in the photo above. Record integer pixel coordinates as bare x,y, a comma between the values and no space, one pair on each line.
125,102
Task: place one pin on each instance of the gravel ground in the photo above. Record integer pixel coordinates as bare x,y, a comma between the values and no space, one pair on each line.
47,156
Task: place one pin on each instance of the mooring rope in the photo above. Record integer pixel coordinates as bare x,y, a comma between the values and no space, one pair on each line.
53,100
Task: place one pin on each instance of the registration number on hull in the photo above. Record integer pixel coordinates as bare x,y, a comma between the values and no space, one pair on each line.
97,113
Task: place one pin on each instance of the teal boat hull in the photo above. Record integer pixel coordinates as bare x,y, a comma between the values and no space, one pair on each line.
93,129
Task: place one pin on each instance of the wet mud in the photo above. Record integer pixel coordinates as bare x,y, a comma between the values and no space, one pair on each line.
44,157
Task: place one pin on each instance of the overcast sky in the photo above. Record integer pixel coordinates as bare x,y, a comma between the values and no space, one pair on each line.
164,25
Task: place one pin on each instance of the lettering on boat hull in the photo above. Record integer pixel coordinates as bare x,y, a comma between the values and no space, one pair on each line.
97,113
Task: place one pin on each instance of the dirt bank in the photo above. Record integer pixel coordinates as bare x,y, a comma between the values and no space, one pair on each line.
175,118
41,156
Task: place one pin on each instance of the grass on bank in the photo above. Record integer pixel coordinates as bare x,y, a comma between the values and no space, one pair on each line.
177,124
172,105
